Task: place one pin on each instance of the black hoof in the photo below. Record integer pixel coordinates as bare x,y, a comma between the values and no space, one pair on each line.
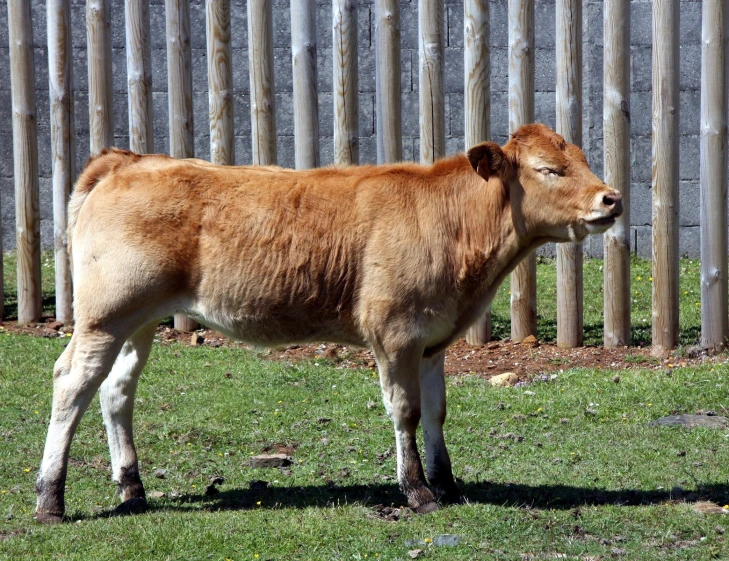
132,506
427,508
48,518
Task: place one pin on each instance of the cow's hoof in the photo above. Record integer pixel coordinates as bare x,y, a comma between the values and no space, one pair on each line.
132,506
48,518
426,508
451,496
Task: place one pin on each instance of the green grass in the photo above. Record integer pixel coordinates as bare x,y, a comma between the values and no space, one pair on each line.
566,469
563,467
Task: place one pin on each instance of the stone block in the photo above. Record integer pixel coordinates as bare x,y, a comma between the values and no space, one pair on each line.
689,160
160,115
545,109
198,38
690,67
366,69
545,71
641,105
199,60
282,70
409,25
641,204
286,151
545,24
325,68
499,69
453,78
285,113
690,23
641,23
499,14
455,118
242,114
454,25
410,114
640,159
689,241
641,73
366,115
690,112
368,150
241,75
238,25
689,203
326,115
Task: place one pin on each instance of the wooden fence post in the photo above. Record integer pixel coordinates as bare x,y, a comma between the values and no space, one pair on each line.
346,104
665,174
101,94
477,101
388,81
569,124
306,105
63,149
25,157
220,82
139,76
263,105
521,111
431,50
616,132
715,16
179,97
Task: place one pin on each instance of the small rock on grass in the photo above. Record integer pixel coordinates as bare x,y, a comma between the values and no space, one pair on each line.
709,421
270,461
414,553
504,380
707,507
160,473
157,495
196,339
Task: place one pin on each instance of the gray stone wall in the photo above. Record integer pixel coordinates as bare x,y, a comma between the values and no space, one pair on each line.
545,99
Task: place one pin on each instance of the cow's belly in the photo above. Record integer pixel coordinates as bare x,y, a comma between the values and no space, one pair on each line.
272,328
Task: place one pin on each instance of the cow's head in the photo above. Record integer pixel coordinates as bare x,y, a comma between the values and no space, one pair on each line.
552,192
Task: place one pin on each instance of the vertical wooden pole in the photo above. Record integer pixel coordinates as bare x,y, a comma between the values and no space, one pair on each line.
665,174
431,50
714,35
616,132
179,97
306,106
477,99
569,125
139,76
521,111
388,81
220,82
101,95
25,156
263,106
63,149
346,104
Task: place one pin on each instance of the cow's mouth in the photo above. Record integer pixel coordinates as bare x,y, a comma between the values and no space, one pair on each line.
600,225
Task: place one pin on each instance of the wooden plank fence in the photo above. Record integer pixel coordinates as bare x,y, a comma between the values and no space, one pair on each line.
432,71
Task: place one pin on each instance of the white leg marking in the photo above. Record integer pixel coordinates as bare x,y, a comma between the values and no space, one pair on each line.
117,400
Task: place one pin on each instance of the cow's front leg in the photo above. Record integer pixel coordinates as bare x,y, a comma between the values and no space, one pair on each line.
400,381
433,405
117,407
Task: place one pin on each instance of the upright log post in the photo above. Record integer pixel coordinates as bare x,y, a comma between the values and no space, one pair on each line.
63,149
388,81
431,50
521,111
346,104
616,132
101,95
139,76
179,97
25,157
263,106
714,35
306,105
569,125
477,100
220,82
665,174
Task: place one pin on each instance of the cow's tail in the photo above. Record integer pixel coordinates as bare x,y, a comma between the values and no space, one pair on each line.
97,168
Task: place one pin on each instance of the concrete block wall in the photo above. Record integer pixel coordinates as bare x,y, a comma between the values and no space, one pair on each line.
544,83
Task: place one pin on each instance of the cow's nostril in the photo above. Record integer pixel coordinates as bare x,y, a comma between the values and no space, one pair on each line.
608,201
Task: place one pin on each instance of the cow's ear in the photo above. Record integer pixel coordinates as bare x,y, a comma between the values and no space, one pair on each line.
488,159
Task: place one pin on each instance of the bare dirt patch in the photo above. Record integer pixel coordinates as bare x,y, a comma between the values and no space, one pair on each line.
527,359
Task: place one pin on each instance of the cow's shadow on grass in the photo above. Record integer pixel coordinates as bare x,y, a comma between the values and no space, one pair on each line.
561,497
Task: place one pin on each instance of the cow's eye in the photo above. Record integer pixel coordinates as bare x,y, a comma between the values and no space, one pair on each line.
549,172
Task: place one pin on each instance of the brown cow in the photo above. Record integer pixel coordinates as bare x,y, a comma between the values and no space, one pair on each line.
400,258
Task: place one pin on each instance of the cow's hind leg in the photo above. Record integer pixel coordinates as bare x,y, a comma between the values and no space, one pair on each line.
400,381
77,375
117,406
433,405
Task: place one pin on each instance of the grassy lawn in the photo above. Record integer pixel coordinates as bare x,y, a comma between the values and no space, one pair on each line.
565,469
